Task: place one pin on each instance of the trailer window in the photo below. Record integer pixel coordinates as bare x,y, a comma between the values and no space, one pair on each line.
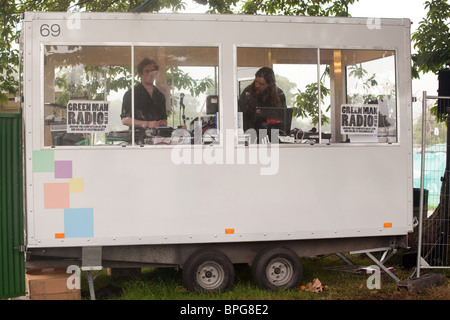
293,68
93,97
188,79
335,95
370,83
83,89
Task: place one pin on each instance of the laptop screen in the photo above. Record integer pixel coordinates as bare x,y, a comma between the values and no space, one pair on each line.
274,118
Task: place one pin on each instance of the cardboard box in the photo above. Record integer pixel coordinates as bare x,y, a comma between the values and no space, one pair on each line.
49,284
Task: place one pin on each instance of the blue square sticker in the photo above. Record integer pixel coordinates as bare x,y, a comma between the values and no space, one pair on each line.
79,223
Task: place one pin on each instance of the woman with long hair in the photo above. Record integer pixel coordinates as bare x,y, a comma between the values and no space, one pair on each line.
261,93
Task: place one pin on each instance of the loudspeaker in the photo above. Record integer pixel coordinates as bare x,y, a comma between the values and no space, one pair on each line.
212,104
444,91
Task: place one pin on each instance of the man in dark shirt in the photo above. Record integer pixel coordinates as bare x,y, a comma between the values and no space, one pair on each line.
149,102
262,92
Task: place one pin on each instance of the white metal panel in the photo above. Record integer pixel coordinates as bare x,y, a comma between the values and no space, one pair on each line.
317,193
139,195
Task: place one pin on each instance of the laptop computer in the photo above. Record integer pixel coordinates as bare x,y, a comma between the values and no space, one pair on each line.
274,118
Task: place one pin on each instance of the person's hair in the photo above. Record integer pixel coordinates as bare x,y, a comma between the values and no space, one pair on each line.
271,95
145,62
268,75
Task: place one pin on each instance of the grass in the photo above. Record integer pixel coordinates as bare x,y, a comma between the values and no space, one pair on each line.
166,284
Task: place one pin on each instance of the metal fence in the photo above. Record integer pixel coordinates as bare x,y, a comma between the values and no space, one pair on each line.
431,176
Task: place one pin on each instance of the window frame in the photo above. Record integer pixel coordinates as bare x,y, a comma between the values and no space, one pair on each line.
318,63
131,46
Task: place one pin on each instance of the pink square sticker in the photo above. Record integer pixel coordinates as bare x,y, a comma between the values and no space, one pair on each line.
56,196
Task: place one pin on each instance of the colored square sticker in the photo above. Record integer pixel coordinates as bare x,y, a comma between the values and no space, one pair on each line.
56,196
79,223
63,169
43,161
76,185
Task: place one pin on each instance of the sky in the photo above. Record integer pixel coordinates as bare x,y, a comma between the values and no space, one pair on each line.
412,9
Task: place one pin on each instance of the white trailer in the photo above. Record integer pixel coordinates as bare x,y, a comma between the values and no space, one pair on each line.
200,195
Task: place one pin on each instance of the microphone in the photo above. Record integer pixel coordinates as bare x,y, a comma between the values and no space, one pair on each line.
182,109
181,99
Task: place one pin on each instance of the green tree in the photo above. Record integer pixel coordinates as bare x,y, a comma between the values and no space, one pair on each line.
306,104
433,44
432,39
298,7
11,11
179,79
10,15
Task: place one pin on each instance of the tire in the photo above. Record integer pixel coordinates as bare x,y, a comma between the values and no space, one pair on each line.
208,271
277,269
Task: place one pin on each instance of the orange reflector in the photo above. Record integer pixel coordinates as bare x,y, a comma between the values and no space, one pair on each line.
388,224
229,231
59,235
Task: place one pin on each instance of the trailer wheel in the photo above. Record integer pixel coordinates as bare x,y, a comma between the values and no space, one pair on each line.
277,268
208,271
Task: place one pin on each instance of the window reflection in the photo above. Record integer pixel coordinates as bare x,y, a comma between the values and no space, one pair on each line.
370,79
187,77
82,94
88,94
317,90
92,98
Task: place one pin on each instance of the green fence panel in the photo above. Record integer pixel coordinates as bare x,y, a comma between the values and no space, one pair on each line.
12,262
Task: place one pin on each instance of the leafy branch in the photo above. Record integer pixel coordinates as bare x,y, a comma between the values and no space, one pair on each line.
432,39
306,103
89,82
